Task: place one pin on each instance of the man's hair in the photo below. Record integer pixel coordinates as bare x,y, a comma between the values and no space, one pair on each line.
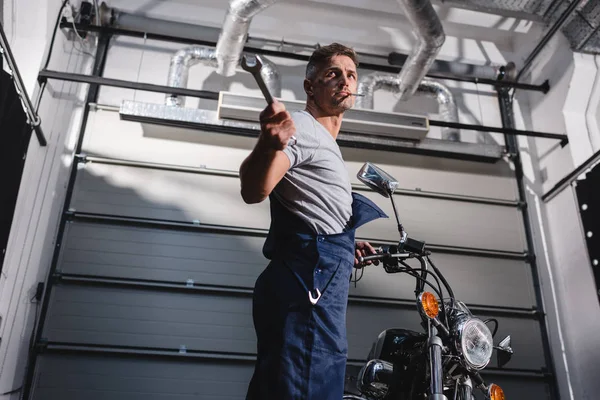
323,54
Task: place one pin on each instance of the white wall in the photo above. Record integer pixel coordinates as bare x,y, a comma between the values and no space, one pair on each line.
566,276
26,23
42,191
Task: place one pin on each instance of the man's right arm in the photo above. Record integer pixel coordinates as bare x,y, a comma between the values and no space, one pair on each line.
262,170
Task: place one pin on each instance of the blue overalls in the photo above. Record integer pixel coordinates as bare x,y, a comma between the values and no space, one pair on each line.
299,307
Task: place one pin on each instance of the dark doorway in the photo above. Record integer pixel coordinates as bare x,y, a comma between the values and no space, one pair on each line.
15,134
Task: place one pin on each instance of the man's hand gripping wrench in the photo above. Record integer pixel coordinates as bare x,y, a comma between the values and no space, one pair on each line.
254,65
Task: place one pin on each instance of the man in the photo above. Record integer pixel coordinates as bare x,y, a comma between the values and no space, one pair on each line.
300,299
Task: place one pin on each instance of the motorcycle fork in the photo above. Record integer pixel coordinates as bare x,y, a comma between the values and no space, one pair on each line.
434,347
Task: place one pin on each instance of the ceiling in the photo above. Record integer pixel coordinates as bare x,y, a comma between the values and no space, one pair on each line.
581,29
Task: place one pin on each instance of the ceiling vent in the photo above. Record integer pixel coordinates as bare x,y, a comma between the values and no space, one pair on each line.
396,125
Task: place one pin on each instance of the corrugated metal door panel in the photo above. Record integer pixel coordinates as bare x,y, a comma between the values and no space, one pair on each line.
146,193
112,316
106,376
235,260
118,377
437,174
108,136
146,318
449,223
474,280
166,195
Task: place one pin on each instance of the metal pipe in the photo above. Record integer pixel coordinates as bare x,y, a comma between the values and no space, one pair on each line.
430,35
187,57
180,65
137,351
553,29
507,115
110,16
571,177
33,119
427,87
148,87
234,32
447,68
235,174
344,137
447,106
149,34
514,132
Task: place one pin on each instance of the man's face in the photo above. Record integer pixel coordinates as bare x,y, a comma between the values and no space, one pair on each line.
333,84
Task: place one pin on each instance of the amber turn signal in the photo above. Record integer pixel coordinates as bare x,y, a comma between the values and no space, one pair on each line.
429,304
496,392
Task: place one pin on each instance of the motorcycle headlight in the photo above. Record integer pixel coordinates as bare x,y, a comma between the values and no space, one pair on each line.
475,343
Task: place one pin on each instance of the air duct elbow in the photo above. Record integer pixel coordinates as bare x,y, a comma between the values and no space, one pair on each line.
187,57
235,32
448,110
430,35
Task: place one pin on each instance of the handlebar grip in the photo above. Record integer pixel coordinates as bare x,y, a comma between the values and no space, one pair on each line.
371,258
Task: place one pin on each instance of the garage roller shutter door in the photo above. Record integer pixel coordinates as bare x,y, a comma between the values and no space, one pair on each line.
151,295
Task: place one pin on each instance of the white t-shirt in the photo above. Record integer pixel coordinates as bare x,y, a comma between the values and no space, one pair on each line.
317,186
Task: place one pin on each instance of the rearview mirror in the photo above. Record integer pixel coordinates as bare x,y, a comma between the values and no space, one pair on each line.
505,351
377,179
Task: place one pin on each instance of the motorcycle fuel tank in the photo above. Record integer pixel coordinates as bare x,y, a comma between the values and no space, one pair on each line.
396,344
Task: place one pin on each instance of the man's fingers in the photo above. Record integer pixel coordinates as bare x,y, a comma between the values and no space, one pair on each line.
277,106
364,254
371,249
271,110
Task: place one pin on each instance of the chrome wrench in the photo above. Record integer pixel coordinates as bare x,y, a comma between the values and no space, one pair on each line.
254,65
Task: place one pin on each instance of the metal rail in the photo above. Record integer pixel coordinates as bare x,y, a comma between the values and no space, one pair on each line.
234,230
33,119
544,88
549,35
52,347
205,94
189,286
234,174
507,114
569,179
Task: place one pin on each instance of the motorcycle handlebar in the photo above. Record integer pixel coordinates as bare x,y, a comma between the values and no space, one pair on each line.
385,255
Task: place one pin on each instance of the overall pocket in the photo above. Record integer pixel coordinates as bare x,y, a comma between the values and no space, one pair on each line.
330,311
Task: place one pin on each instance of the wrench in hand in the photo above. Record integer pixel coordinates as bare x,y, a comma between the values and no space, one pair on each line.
254,67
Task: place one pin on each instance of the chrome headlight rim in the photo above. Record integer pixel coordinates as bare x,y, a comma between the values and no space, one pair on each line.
460,328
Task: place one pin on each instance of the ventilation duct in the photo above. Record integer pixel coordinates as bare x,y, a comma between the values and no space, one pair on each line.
187,57
430,34
110,16
235,32
428,87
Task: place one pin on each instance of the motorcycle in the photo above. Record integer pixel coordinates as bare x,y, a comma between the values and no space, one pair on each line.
444,361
